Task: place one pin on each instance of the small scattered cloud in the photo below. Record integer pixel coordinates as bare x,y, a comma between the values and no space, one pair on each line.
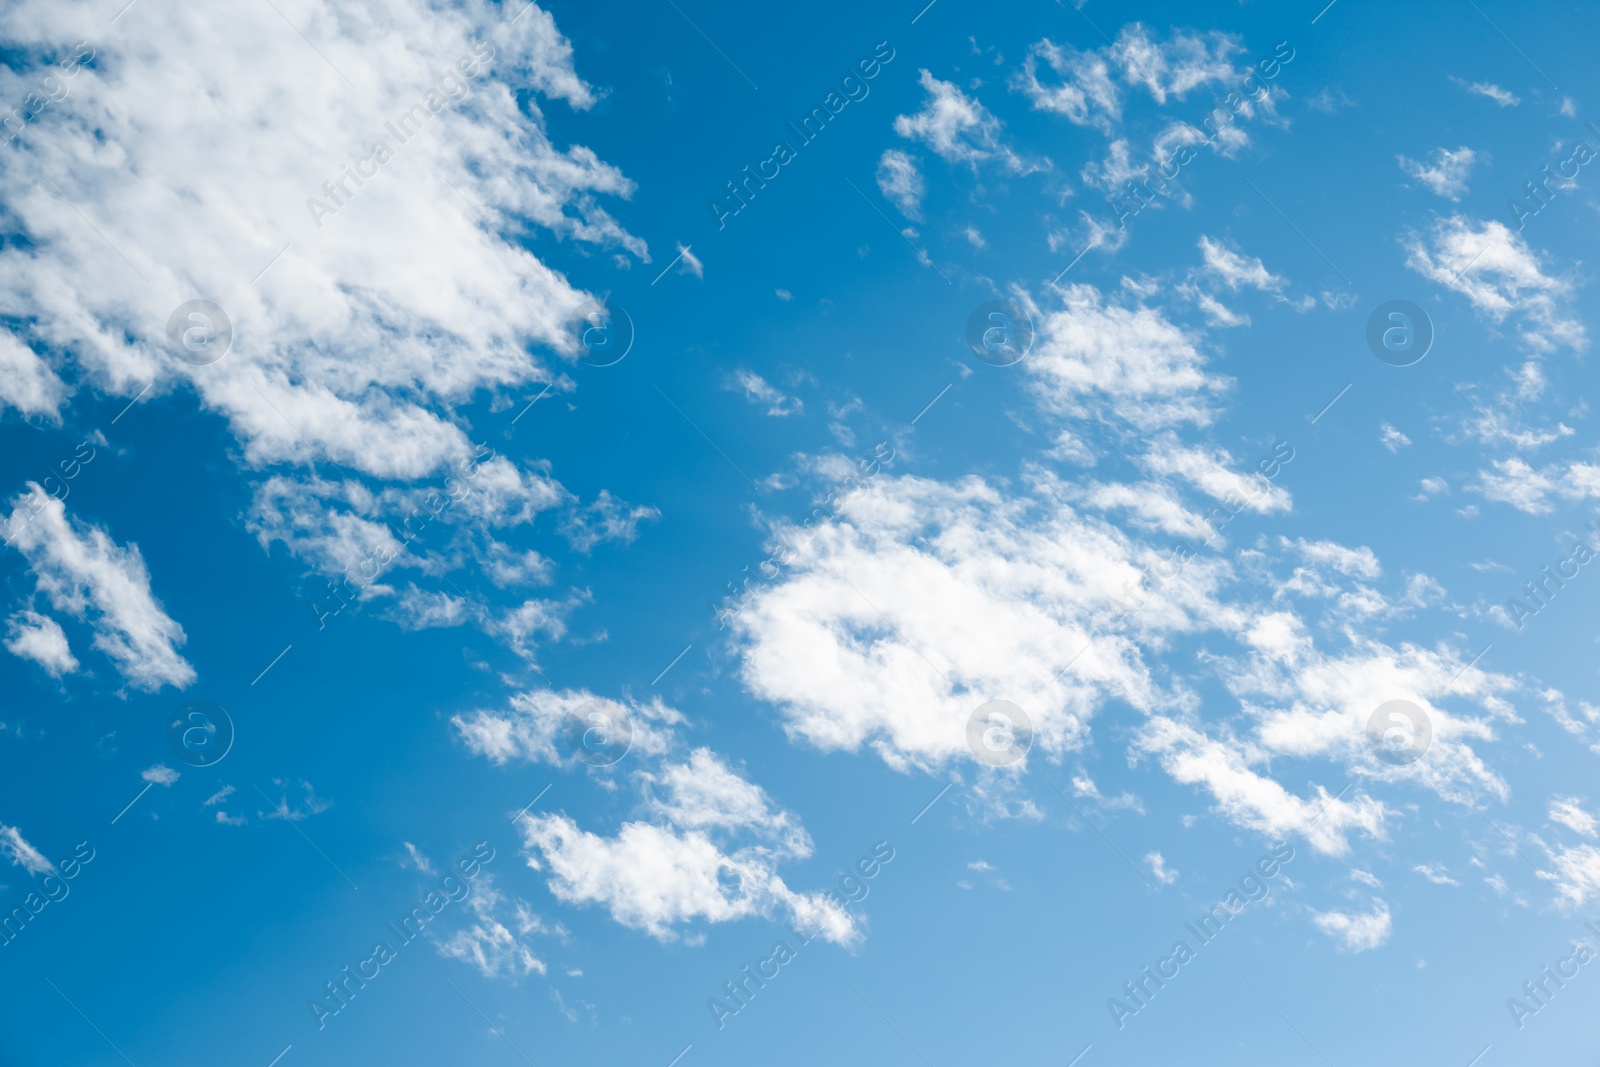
1391,438
1503,97
310,804
901,181
39,638
160,774
1446,175
1357,932
758,390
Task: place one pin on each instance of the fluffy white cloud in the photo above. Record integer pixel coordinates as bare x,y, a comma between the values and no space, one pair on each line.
1357,932
160,774
957,127
27,382
40,639
341,341
83,571
1447,175
1493,267
1096,358
1248,796
706,848
901,181
655,877
924,600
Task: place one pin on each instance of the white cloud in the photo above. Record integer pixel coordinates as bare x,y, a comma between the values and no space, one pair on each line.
957,127
689,263
1235,269
1357,932
1085,94
1097,358
83,571
1391,438
40,638
1435,874
1493,267
288,811
1576,877
758,391
27,382
1503,97
1158,867
901,181
707,844
1251,799
160,774
531,729
414,858
1084,87
1567,812
15,847
655,878
342,341
924,600
605,519
488,944
1447,176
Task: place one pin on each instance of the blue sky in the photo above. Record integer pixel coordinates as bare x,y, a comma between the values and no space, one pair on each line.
648,679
